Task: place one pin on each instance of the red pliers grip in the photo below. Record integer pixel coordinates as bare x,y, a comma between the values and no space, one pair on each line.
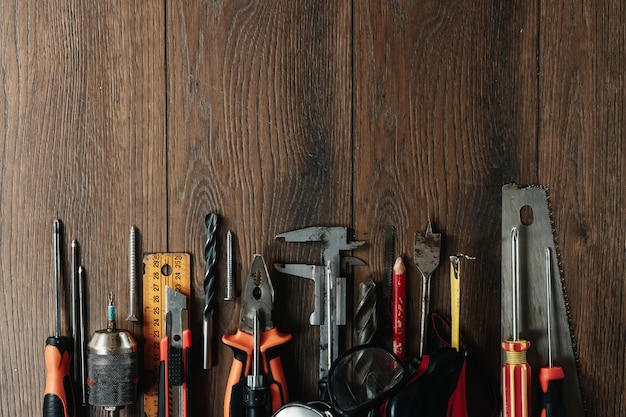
242,345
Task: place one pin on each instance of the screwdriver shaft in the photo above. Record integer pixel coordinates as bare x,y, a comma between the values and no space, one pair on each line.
548,304
56,245
82,359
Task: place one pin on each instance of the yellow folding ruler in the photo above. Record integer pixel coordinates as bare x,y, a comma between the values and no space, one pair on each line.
160,270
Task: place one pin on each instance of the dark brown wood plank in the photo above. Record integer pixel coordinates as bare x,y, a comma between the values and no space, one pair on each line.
582,152
81,116
259,132
445,114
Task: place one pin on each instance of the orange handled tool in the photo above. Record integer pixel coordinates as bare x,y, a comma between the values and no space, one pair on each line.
58,398
516,371
551,378
174,354
250,390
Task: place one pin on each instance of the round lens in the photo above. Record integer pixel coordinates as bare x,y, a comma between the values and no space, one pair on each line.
296,409
363,376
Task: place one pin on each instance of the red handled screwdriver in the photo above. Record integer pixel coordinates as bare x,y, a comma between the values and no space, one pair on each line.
516,371
551,377
58,398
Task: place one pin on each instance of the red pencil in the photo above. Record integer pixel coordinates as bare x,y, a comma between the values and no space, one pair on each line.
399,307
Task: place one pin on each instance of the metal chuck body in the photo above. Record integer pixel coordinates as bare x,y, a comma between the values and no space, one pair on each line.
112,366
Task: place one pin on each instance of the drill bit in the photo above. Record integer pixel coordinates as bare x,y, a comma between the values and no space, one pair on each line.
366,319
210,253
132,259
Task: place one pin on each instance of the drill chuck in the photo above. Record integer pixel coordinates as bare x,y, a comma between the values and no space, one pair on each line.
112,367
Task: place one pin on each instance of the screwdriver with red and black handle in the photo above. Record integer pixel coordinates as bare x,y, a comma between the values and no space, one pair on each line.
58,398
551,378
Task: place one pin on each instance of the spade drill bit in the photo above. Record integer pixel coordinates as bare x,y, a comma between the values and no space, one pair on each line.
210,253
426,257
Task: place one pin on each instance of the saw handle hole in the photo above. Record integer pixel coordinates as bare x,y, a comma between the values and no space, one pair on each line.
526,215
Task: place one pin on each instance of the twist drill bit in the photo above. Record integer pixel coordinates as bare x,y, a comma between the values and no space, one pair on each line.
210,253
366,317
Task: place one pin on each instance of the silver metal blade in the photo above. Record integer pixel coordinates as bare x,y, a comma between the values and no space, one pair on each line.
534,239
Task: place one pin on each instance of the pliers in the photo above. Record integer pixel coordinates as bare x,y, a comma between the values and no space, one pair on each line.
251,390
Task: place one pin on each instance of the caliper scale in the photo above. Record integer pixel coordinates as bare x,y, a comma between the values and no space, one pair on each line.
160,270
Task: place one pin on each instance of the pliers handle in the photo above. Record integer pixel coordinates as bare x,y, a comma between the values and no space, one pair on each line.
242,345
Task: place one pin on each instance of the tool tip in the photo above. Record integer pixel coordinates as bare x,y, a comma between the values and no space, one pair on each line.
399,267
56,226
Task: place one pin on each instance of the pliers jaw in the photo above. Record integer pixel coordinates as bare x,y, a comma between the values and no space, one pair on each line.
257,297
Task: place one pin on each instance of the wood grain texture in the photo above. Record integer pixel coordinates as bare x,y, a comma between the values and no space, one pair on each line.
285,114
259,113
581,159
81,117
444,116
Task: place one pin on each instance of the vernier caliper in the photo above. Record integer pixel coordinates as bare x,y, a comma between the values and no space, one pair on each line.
330,285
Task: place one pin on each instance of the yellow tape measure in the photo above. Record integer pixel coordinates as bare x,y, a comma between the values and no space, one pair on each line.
160,270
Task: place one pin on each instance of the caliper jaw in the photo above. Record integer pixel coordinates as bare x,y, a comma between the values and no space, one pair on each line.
329,284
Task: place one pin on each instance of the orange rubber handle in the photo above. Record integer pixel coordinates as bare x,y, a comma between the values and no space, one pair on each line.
58,395
271,341
241,343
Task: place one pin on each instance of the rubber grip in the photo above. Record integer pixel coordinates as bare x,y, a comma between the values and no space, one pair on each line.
186,346
271,343
551,380
164,398
241,344
58,394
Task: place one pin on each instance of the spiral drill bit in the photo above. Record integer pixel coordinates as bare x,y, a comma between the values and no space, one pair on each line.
366,317
210,253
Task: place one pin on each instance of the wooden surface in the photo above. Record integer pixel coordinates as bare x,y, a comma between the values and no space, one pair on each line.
285,114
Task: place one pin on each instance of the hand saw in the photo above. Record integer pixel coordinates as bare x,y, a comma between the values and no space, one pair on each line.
535,236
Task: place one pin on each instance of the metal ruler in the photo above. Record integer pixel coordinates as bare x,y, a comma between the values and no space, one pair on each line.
160,270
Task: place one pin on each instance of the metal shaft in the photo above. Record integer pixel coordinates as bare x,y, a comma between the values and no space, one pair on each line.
330,311
516,282
229,293
56,244
81,312
548,304
366,317
132,260
210,254
74,298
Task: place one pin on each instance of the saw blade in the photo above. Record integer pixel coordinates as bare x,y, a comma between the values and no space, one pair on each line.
526,207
